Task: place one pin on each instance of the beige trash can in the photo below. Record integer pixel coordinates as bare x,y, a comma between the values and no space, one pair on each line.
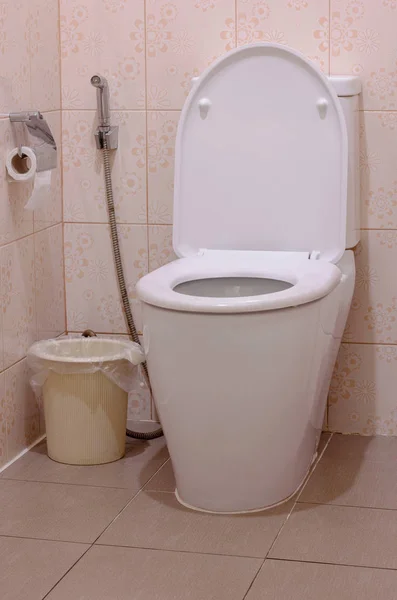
84,383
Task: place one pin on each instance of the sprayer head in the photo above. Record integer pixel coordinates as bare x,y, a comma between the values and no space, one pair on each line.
98,81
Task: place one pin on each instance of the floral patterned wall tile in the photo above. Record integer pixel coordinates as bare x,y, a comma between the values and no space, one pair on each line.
373,313
182,39
21,410
3,423
17,290
362,396
106,37
50,289
50,212
43,31
92,295
161,251
363,42
83,177
301,24
15,222
162,128
139,400
14,49
378,159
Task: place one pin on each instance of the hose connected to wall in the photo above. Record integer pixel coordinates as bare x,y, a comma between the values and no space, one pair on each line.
121,280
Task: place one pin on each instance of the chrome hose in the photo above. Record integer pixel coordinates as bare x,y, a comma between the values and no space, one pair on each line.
121,281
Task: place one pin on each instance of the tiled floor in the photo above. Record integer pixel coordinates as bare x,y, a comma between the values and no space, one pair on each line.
116,532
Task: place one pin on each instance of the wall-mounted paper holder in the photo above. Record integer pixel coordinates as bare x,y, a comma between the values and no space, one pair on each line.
43,142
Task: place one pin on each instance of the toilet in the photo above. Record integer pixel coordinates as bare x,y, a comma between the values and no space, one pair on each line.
241,332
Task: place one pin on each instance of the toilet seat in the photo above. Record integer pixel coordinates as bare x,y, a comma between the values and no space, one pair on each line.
310,279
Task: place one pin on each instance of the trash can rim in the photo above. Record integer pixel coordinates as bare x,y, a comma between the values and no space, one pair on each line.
39,350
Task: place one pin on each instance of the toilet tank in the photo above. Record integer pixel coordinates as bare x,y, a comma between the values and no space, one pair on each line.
348,89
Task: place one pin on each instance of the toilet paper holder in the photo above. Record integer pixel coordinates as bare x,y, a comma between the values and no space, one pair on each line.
43,142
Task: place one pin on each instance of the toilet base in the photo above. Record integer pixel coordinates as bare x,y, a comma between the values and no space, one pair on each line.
252,510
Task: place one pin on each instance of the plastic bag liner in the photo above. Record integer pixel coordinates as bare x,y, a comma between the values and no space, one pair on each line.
116,359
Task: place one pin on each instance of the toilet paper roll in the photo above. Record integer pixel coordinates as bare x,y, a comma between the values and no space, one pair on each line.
21,169
24,170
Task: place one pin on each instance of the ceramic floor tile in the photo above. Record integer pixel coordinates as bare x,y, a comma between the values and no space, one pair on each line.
280,580
355,471
141,461
106,573
30,568
58,512
374,448
157,520
164,480
339,535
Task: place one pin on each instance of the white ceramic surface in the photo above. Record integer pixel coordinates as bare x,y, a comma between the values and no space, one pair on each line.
240,382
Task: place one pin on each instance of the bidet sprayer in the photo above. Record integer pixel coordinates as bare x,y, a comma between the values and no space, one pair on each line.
102,95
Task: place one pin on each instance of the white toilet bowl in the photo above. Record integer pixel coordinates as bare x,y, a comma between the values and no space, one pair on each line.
241,333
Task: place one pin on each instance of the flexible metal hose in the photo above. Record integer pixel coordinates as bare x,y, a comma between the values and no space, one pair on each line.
121,281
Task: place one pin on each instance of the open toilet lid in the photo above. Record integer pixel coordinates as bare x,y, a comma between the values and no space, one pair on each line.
261,158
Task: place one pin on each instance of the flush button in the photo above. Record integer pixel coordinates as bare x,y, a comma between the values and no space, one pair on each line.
322,106
204,106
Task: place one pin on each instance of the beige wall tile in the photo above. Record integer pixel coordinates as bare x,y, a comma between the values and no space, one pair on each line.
362,397
162,128
21,410
160,246
102,37
29,80
15,222
182,39
17,288
83,176
363,43
44,54
378,155
92,295
49,276
300,24
3,422
14,46
373,313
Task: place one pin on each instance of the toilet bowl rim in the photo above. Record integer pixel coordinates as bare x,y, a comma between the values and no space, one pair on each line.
311,280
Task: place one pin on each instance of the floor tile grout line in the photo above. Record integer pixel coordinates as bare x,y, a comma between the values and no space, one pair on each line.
84,485
66,573
299,492
314,562
129,223
131,110
39,539
182,551
94,542
127,505
367,344
355,506
254,579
